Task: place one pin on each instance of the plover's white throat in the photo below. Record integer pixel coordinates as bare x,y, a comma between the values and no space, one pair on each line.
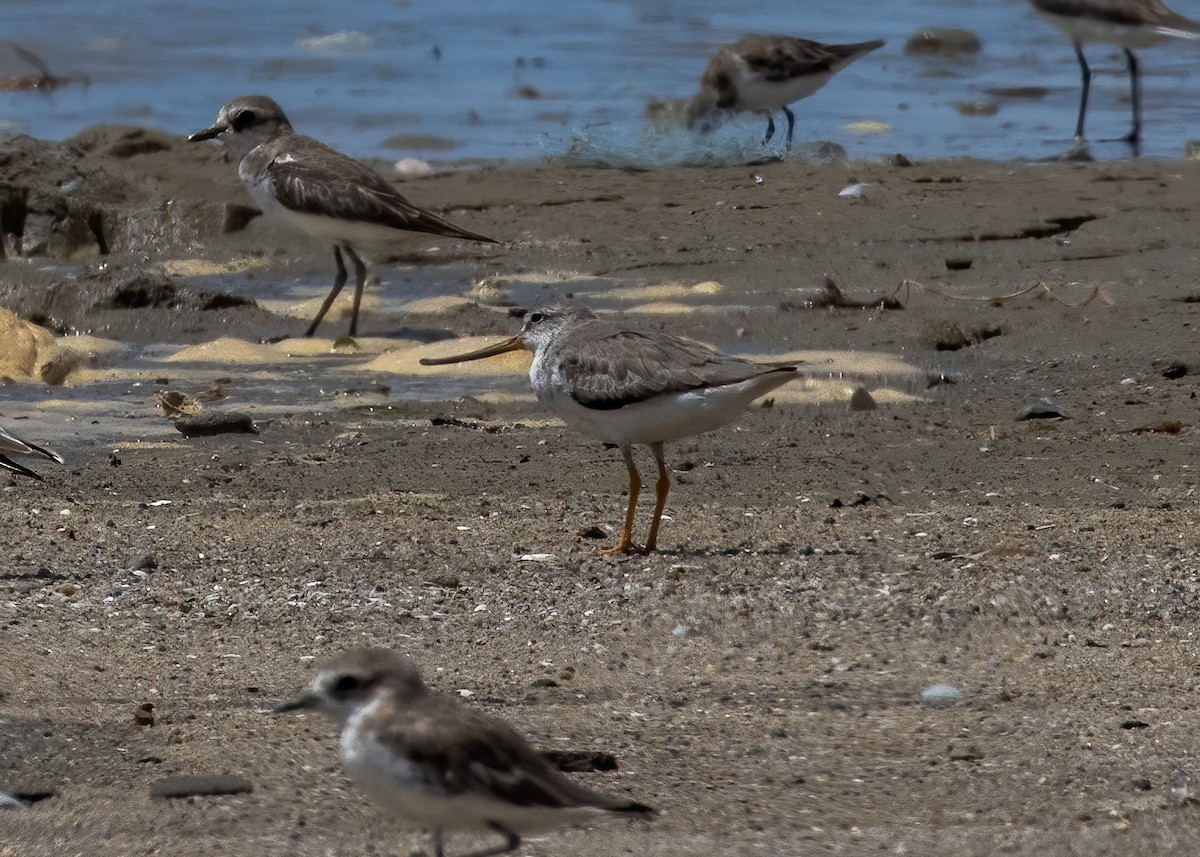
767,73
427,759
628,386
12,445
1129,24
319,191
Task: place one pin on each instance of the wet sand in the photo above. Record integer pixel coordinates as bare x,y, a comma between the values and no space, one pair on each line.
760,680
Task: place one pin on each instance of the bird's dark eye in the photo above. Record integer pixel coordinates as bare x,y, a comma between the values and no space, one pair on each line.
537,317
244,120
346,685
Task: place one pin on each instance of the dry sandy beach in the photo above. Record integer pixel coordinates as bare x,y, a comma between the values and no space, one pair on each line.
760,681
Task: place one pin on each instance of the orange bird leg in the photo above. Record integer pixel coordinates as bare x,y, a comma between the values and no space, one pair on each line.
625,543
661,488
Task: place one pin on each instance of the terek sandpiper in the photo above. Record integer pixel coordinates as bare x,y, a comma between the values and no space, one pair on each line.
628,386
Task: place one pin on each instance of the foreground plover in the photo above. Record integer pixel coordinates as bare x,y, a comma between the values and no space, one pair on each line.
12,445
767,73
628,386
1128,24
427,759
319,191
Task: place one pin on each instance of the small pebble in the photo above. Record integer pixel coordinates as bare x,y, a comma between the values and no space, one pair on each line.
1042,409
26,795
861,400
854,191
229,422
143,715
200,784
939,692
581,761
977,108
944,42
412,167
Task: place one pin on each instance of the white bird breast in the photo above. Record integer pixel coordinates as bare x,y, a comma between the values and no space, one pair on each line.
660,418
756,93
403,788
1087,31
329,229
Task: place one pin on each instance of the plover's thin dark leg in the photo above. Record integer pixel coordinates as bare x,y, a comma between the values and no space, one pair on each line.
360,280
791,124
438,851
1135,88
661,489
511,841
770,129
1087,85
338,282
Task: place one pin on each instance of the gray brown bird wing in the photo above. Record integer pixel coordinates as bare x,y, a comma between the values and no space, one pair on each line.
1150,13
309,176
781,59
7,463
12,445
462,753
615,367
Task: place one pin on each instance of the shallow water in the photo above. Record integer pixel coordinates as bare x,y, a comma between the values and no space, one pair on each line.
442,80
116,400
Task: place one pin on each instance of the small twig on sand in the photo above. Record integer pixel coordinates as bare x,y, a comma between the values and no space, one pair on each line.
1042,289
1165,427
833,297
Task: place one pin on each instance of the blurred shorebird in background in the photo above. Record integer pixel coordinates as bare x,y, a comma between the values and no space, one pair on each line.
1128,24
763,74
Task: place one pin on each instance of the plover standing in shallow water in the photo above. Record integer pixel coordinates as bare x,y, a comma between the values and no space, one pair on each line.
12,445
426,759
628,386
319,191
767,73
1128,24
